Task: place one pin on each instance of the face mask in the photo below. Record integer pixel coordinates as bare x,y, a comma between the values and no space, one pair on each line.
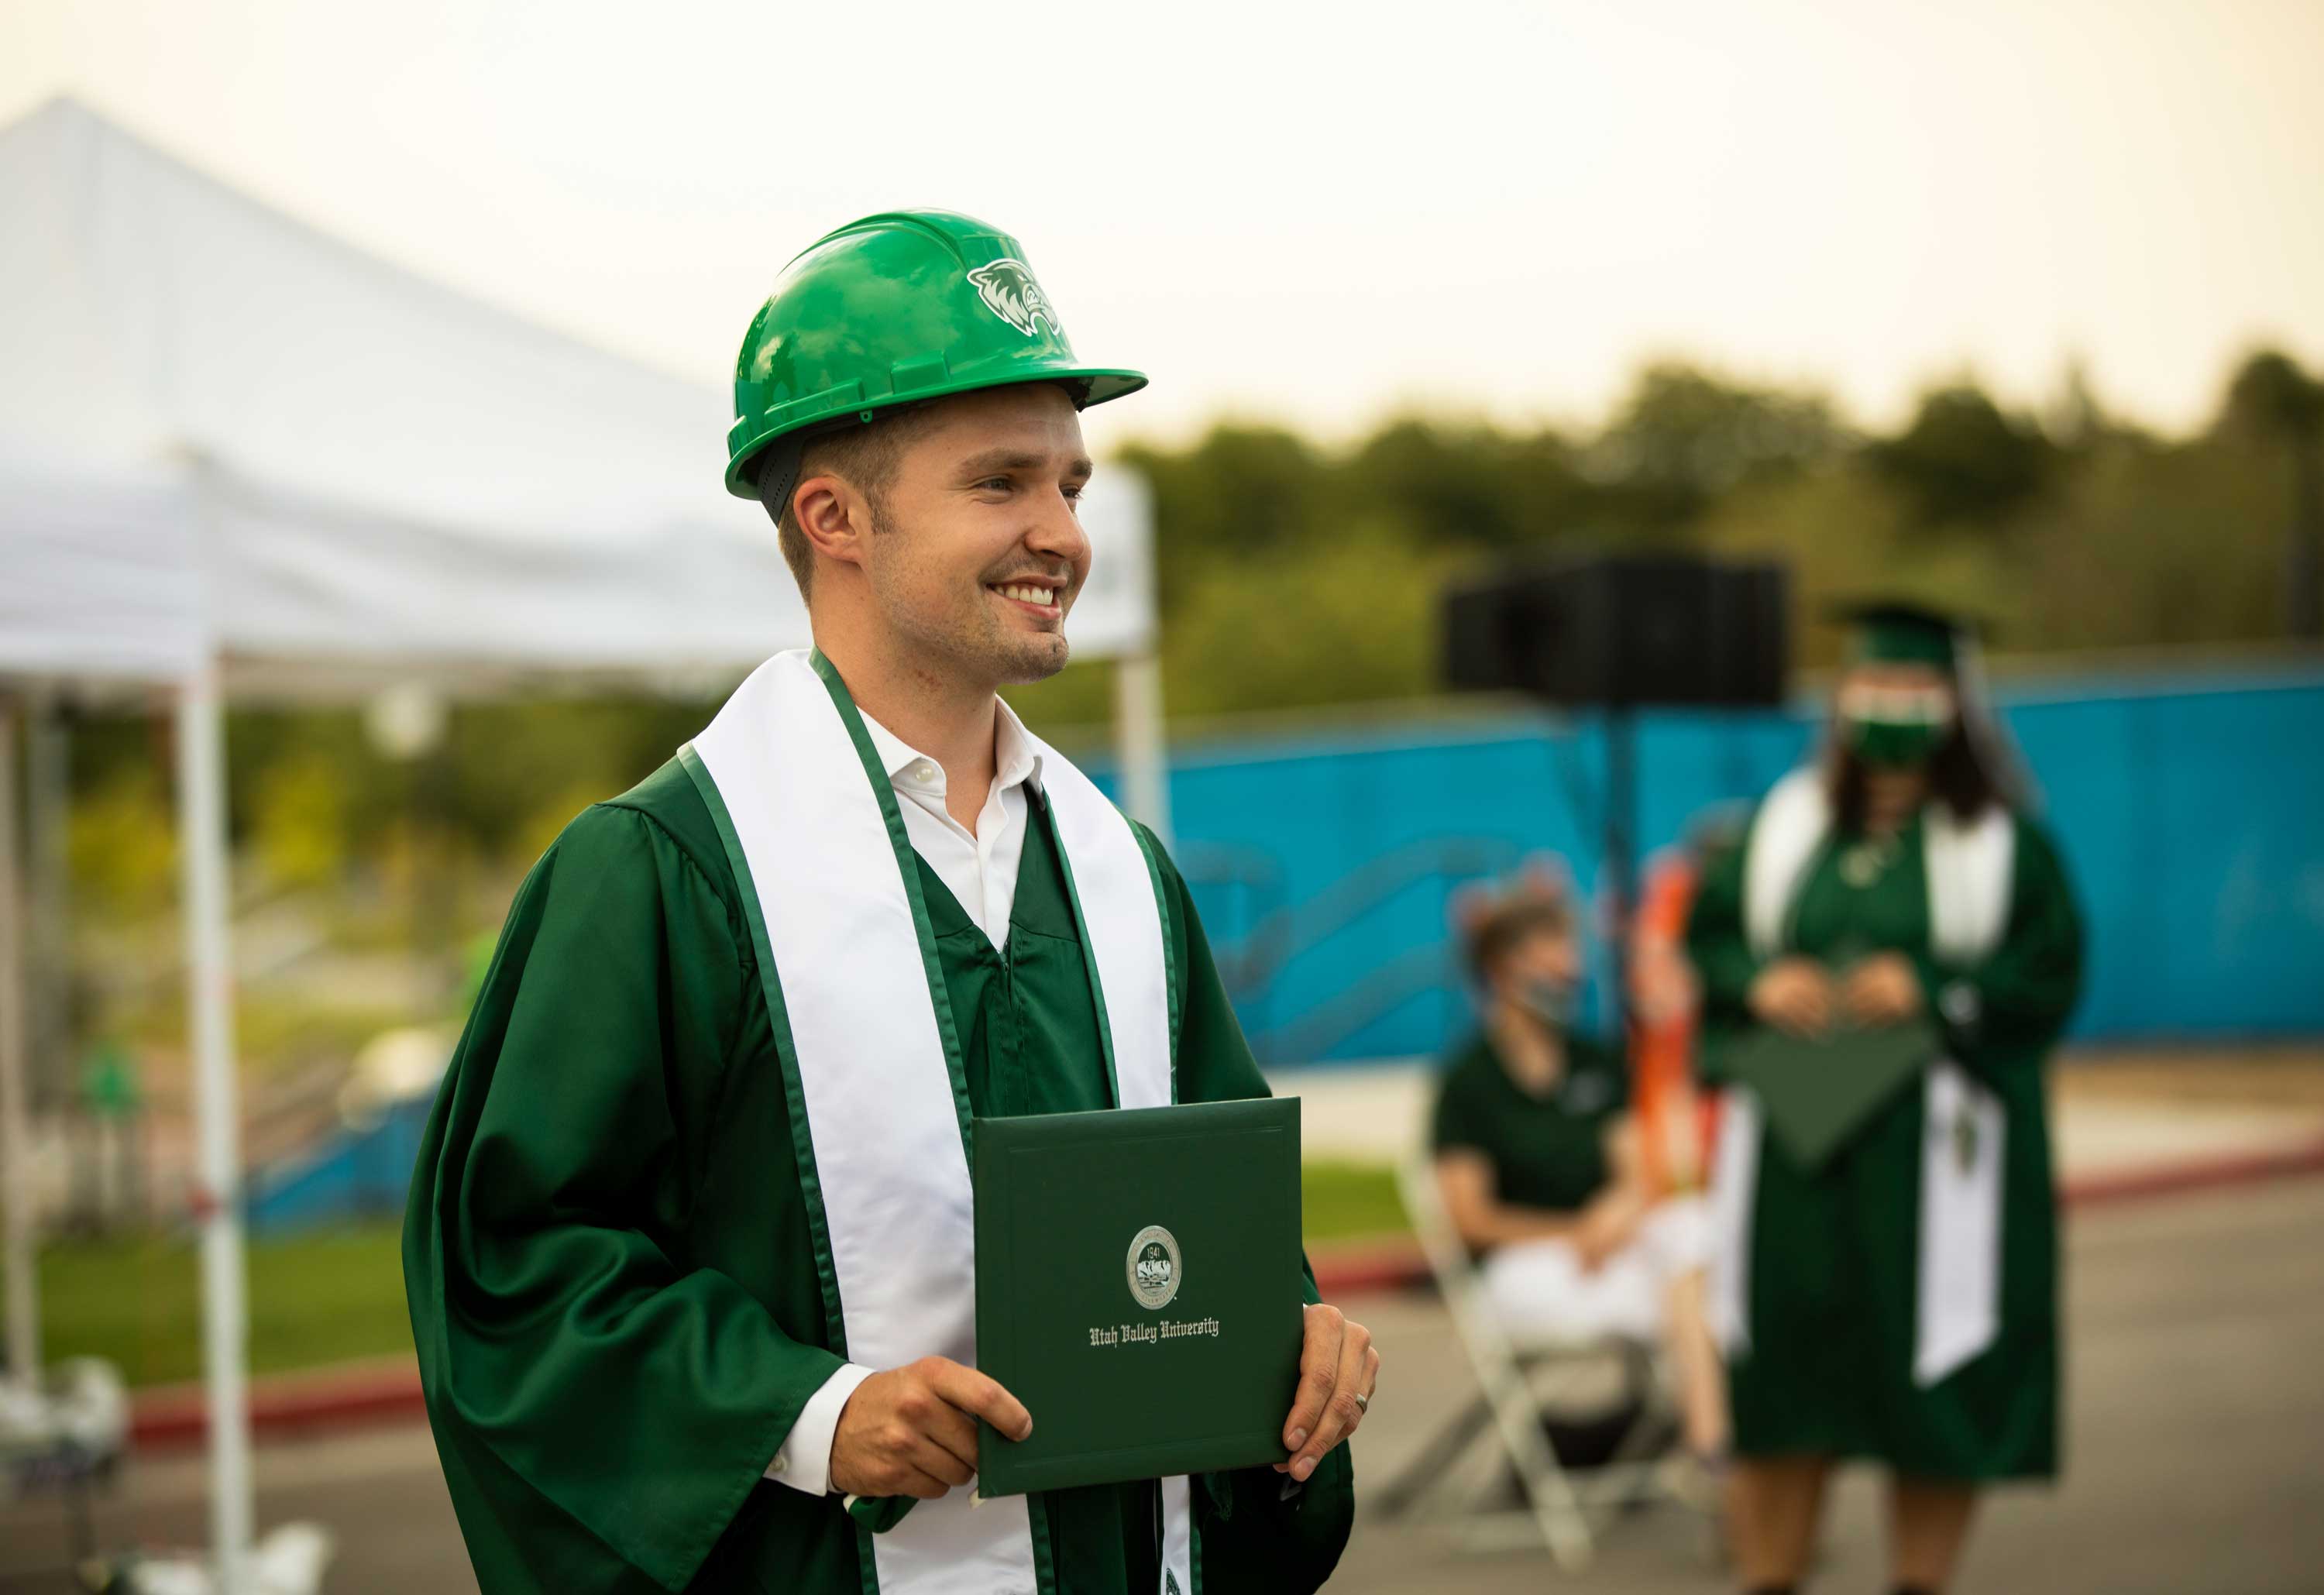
1892,744
1552,1000
1895,725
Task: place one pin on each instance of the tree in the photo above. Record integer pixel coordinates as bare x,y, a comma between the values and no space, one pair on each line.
1963,461
1472,486
2271,398
1241,489
1683,437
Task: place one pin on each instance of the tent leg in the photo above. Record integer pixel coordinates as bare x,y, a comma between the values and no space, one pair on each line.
1138,740
23,1328
46,895
217,1192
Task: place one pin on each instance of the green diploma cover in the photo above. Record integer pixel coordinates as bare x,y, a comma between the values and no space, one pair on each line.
1139,1289
1819,1092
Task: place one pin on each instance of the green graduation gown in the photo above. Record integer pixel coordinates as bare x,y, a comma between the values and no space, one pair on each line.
1832,1269
607,1253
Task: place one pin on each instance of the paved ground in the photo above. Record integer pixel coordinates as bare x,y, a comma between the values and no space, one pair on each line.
2196,1463
2195,1446
2110,1110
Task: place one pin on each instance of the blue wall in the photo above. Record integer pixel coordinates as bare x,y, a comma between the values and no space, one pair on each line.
2193,818
346,1174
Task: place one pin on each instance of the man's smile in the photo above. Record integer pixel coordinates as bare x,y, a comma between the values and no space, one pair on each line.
1034,594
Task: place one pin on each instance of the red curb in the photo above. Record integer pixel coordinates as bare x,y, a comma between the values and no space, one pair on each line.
1398,1265
1389,1265
2239,1169
177,1416
174,1417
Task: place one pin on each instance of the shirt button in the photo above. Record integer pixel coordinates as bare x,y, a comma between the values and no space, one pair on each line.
923,771
782,1464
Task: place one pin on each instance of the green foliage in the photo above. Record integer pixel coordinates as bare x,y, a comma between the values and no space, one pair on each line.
121,846
2156,545
1447,486
1349,1200
300,819
1962,460
1294,574
1081,696
1365,605
2270,395
1241,494
1683,438
336,1296
328,1297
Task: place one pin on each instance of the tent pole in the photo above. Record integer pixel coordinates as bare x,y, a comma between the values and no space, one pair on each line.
23,1331
217,1186
1137,740
46,891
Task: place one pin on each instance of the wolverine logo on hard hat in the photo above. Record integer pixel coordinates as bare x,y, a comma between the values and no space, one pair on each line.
1009,292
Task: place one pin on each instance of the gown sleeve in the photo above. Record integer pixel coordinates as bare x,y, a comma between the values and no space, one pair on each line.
1717,947
597,1398
1253,1537
2018,999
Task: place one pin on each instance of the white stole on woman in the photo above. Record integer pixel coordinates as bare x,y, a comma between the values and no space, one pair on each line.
1971,867
874,1056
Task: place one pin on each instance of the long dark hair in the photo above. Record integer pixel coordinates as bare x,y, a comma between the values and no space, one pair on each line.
1962,775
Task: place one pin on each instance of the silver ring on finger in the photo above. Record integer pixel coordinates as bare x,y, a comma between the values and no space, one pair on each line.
1363,1402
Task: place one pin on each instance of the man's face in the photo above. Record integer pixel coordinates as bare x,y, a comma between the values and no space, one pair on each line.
979,553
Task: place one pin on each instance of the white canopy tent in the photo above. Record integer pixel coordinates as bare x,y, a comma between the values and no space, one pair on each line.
238,457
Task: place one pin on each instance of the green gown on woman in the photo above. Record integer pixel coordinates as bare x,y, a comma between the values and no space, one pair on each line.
1832,1269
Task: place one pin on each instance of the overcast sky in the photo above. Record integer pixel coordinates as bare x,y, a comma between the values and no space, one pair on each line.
1317,213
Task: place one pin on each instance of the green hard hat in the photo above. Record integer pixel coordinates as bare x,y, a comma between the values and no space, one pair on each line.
906,305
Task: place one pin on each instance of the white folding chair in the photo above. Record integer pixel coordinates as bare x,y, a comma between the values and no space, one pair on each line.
1564,1508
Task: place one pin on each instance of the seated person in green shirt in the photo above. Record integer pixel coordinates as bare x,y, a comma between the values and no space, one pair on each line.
1540,1165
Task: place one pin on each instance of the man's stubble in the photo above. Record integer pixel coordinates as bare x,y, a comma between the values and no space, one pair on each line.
968,640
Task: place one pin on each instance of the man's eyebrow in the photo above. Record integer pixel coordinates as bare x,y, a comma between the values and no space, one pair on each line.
994,462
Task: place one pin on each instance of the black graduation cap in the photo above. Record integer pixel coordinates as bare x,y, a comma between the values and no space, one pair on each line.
1905,633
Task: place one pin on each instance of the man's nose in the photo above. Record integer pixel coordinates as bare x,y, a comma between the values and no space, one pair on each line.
1057,531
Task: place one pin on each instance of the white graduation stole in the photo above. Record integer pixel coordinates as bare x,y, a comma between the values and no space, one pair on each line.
1971,869
871,1061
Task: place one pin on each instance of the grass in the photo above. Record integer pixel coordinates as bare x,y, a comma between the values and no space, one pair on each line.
1348,1201
336,1296
332,1296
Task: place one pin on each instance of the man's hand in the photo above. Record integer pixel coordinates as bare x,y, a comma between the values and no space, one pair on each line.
1338,1363
911,1430
1883,990
1794,995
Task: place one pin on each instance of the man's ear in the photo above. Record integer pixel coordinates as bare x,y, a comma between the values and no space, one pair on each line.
831,516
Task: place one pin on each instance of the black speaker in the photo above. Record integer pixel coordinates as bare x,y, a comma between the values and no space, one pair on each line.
1626,630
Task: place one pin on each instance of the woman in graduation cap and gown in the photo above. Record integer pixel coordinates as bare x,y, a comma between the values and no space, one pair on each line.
1898,1302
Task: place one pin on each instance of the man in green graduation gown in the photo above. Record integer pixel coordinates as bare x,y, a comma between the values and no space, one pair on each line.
1898,1300
683,1249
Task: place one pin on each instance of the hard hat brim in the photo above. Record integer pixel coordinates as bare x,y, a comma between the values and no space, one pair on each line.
1099,385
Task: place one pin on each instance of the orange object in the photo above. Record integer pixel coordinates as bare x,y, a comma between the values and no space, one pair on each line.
1676,1120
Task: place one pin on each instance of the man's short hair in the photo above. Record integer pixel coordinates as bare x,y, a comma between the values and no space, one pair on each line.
865,456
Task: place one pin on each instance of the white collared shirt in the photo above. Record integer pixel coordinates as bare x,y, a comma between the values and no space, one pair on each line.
980,871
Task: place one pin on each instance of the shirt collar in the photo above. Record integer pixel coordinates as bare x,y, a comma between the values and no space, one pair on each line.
1014,758
1013,750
